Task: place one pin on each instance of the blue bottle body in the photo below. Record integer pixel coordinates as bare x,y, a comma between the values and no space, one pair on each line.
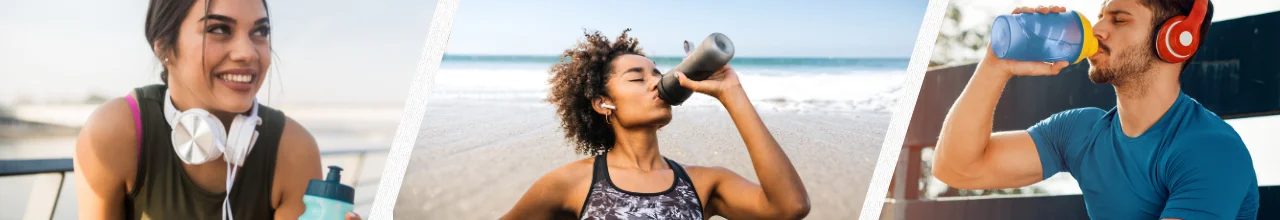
321,208
1050,37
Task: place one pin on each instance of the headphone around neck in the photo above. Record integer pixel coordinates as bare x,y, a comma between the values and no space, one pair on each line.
1180,36
198,137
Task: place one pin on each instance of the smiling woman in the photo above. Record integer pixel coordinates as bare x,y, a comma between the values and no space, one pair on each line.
199,146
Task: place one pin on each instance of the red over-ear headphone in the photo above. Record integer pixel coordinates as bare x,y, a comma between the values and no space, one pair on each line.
1180,36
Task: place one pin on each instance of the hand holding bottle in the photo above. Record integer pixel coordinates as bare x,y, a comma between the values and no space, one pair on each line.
1012,67
716,84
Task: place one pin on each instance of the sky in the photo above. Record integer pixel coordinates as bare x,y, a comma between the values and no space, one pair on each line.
325,51
349,51
837,28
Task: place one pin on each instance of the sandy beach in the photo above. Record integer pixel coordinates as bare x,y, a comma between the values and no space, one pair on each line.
473,160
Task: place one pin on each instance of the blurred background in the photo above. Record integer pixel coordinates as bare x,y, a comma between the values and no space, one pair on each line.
340,68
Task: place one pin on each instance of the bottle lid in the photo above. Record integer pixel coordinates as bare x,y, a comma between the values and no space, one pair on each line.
1090,42
331,187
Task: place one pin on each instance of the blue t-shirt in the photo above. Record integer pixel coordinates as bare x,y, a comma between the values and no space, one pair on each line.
1190,164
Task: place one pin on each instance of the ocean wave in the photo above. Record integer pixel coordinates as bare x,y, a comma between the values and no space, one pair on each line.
776,89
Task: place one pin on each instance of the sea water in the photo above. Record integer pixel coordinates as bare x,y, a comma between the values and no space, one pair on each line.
776,84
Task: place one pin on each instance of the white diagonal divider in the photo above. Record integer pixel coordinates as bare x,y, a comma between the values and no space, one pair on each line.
888,160
414,110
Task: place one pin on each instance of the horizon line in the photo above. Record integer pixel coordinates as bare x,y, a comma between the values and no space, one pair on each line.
651,55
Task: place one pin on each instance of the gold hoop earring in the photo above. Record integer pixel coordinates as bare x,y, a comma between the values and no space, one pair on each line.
606,118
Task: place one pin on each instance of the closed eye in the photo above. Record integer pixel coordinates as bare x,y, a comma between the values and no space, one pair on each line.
1117,14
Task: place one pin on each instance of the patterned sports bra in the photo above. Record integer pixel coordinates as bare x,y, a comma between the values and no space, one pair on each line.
608,202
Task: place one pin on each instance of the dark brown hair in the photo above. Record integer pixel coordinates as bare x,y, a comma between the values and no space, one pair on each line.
1162,10
577,79
164,20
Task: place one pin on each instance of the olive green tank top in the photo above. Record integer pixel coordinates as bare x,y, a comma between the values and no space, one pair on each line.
164,191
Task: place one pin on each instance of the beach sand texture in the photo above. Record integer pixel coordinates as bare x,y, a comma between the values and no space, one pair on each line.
474,160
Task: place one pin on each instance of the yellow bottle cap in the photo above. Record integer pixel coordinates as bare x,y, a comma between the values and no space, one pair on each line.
1090,42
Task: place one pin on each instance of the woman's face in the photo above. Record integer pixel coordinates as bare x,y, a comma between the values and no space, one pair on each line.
221,56
632,88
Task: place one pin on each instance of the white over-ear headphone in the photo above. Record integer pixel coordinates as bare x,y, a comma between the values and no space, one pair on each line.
605,105
198,137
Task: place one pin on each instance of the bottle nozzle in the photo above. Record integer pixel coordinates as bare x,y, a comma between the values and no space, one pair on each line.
334,174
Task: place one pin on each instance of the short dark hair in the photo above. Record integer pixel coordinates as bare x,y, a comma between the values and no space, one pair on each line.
580,77
164,20
1162,10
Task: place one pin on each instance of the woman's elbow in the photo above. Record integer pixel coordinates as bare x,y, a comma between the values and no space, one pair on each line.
795,210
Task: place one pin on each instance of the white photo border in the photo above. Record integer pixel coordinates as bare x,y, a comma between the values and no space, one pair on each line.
407,134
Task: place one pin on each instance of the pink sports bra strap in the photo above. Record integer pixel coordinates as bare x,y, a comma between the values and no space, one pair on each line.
137,121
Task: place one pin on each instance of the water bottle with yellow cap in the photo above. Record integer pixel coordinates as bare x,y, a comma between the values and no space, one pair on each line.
1049,37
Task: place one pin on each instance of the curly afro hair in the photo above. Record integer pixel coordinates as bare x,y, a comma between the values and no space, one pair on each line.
579,78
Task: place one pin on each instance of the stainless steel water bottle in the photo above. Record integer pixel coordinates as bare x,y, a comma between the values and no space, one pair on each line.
714,53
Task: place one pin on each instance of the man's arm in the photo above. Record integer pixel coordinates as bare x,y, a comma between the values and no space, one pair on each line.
969,155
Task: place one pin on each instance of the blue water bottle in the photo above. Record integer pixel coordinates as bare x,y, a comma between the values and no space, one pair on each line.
1051,37
328,199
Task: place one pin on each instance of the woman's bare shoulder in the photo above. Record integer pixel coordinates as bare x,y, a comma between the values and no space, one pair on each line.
566,176
297,163
108,141
112,125
297,147
715,174
554,191
298,157
706,170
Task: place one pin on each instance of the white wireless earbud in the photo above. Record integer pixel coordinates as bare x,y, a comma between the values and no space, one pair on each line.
605,105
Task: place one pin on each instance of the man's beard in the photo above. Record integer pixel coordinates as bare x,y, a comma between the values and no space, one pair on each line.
1127,67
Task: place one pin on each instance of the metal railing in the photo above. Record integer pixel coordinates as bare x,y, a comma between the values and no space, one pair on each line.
1234,75
50,178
